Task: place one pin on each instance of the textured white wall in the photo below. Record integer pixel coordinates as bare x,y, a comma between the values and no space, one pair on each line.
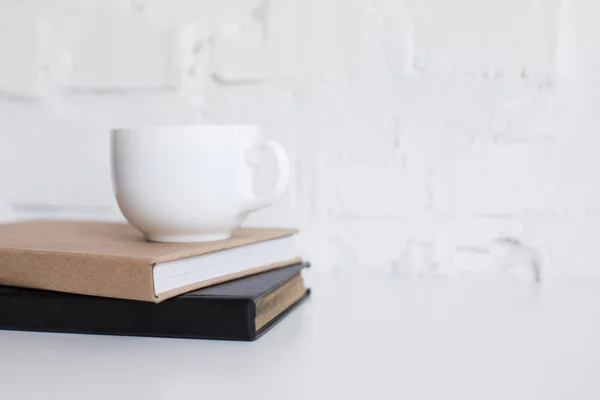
427,136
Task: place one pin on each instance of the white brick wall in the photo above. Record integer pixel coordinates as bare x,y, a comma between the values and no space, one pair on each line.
427,137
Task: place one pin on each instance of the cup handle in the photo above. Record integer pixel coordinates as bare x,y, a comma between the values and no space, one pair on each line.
253,202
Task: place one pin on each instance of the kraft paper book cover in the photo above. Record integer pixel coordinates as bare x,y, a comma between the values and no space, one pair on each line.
110,259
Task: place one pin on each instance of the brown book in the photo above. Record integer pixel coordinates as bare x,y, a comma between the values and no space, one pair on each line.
114,260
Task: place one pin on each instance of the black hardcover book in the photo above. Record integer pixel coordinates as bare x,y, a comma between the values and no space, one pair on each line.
243,309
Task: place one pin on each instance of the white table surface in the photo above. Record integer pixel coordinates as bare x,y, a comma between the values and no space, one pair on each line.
375,339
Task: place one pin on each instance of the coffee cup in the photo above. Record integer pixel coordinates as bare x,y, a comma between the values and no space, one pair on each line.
191,183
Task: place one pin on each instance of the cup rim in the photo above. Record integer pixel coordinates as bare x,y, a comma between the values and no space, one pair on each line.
198,127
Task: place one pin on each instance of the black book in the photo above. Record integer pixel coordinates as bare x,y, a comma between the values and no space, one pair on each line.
242,309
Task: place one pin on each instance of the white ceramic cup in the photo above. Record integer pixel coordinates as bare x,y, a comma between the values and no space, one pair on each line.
191,183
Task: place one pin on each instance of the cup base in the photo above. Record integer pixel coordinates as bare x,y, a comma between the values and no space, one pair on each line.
208,237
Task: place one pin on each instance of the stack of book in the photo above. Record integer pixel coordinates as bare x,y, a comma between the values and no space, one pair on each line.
105,278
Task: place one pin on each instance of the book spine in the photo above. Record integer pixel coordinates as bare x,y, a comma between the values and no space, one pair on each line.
78,273
225,319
